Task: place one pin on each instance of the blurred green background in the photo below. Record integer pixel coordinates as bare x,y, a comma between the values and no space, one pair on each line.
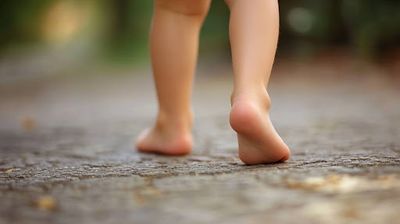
57,33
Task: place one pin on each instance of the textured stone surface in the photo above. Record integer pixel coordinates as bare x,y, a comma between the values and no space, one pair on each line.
66,152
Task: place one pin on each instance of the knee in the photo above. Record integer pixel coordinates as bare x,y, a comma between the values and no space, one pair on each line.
192,8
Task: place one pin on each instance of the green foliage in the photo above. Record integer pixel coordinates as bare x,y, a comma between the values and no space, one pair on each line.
214,37
372,25
127,33
369,26
20,20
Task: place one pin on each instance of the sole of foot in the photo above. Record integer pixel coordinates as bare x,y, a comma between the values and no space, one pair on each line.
259,143
164,142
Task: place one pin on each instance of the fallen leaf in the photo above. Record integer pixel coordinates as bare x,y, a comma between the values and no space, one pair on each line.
47,203
28,123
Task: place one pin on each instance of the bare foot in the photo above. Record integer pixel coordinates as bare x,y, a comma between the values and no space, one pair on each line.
258,140
165,138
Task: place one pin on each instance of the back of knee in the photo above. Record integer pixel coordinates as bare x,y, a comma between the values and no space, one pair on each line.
193,8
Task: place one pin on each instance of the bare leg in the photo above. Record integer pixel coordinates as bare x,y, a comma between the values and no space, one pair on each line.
174,44
253,29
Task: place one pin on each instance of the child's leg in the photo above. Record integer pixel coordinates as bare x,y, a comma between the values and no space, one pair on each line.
174,43
254,28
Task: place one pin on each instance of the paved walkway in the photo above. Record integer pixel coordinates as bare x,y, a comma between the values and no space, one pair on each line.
66,151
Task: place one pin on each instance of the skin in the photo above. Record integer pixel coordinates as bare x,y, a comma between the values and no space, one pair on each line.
253,31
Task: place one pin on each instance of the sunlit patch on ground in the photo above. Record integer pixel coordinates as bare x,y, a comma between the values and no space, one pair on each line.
345,183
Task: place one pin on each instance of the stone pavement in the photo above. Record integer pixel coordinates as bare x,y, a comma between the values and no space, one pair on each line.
66,151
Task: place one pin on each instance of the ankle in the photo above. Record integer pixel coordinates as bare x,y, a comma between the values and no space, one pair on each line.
181,122
259,97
